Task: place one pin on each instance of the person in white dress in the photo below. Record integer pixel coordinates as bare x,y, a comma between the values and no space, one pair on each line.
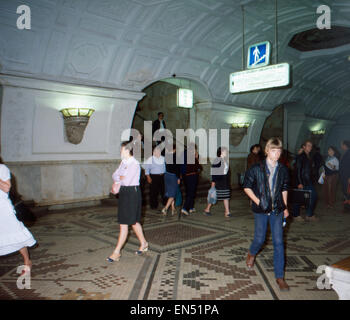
14,236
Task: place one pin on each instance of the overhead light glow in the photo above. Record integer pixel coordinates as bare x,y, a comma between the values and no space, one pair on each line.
184,98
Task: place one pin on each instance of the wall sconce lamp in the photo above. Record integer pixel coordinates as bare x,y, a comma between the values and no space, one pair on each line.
317,135
320,132
75,122
237,132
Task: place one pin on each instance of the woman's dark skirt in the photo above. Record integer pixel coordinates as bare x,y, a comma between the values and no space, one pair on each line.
129,205
170,181
223,194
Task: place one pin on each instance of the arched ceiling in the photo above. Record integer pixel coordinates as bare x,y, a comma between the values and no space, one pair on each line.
130,43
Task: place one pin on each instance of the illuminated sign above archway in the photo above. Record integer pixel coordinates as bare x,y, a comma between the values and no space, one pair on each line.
184,98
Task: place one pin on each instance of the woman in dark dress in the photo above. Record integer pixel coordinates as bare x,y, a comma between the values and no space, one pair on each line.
171,180
221,181
127,184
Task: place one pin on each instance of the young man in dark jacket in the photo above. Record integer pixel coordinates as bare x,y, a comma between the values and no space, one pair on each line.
266,184
304,180
344,173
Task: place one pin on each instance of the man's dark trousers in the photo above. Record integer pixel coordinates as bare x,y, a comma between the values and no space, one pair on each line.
156,189
191,182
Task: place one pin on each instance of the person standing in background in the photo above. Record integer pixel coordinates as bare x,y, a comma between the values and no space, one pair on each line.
304,180
127,184
190,171
344,173
171,179
221,181
154,171
254,155
317,163
159,124
331,168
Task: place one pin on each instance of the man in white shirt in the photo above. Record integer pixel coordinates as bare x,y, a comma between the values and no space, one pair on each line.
154,171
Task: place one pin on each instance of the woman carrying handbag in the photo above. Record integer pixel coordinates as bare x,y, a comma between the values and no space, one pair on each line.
221,181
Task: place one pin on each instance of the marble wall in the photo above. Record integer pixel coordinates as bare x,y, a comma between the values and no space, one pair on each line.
49,169
57,182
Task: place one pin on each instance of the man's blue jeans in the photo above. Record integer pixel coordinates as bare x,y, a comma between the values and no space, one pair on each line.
310,209
261,221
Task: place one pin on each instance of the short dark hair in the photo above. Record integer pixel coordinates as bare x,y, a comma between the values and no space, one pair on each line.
254,146
219,151
347,143
127,146
305,142
159,113
335,150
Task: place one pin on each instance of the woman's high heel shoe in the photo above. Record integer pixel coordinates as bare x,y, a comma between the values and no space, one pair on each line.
164,212
139,252
185,212
173,212
109,259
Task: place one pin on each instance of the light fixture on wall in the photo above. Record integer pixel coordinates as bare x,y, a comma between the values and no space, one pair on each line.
238,131
75,122
317,135
241,125
320,132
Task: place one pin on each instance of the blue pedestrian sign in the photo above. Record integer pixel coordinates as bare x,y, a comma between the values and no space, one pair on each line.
259,55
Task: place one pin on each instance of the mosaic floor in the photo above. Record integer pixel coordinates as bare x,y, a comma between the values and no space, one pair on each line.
195,257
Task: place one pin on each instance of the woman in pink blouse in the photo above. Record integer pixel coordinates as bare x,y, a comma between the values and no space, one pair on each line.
127,184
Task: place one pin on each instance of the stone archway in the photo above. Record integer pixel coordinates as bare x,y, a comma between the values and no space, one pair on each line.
161,96
273,126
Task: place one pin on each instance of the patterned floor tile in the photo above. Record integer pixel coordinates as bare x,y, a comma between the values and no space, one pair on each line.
195,257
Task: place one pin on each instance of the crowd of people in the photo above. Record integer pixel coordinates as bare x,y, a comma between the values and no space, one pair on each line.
268,178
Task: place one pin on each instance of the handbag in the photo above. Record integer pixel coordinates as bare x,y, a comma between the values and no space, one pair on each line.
322,175
321,179
212,196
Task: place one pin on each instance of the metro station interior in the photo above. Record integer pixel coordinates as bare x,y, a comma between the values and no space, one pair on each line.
250,70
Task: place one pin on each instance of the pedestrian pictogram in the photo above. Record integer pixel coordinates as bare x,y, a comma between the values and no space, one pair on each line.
259,55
